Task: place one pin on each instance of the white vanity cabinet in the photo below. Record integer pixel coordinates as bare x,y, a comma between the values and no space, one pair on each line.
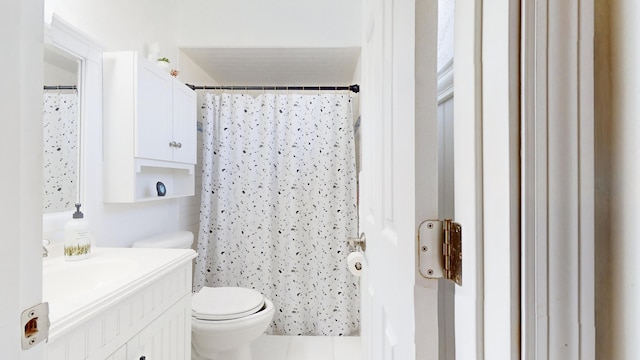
167,338
149,130
148,315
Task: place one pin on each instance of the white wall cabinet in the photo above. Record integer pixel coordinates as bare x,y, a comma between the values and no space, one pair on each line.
149,130
184,123
151,91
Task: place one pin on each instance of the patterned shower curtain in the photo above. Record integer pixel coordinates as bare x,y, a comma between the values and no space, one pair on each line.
60,157
278,204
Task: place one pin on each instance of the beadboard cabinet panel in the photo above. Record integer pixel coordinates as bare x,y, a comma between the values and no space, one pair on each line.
167,338
121,354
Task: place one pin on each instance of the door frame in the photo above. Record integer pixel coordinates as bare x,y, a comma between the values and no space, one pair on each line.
501,177
558,233
486,113
467,110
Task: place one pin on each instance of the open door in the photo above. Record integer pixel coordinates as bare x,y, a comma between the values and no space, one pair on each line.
405,315
399,178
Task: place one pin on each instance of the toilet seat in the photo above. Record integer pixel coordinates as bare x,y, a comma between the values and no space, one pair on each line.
225,303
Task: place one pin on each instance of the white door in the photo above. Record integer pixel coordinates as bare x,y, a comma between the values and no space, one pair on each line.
405,316
399,177
21,163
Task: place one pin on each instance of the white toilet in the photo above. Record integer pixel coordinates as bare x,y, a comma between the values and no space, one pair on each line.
224,320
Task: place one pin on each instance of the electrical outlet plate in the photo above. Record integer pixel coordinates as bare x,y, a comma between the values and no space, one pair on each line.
35,325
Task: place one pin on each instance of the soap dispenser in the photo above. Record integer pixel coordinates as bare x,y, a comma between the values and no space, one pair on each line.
77,242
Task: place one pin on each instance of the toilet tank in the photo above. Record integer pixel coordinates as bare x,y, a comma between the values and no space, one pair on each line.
175,240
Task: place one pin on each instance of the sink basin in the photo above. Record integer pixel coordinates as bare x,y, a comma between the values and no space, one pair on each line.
68,285
102,286
66,280
76,289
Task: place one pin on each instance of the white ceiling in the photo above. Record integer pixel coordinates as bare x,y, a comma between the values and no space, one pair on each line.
277,66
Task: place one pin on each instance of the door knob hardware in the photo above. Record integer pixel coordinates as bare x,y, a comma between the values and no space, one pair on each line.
360,242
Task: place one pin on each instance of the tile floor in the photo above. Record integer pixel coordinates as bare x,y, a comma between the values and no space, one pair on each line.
277,347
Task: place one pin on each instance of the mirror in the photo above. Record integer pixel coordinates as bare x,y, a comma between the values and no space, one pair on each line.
73,58
61,130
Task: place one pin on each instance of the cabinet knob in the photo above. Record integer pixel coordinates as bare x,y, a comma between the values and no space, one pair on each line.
179,145
173,144
143,357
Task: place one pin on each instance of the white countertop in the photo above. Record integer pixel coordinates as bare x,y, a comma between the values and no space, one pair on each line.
77,290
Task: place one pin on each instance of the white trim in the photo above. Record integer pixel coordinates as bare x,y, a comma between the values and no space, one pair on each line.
558,180
501,185
534,212
586,156
62,34
445,82
468,157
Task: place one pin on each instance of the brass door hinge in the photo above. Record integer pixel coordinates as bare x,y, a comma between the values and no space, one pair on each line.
440,249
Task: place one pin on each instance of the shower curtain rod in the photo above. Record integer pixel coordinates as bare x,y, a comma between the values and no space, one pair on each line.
355,87
60,87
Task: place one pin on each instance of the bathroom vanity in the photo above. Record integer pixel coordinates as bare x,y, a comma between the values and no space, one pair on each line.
120,303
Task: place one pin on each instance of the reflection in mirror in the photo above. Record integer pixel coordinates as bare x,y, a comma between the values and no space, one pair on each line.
61,122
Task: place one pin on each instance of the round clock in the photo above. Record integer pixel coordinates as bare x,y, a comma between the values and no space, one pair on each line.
162,190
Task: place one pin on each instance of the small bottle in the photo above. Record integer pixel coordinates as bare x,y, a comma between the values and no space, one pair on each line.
77,243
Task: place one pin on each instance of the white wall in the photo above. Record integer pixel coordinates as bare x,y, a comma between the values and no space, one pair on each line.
55,75
191,73
125,25
620,292
445,31
269,23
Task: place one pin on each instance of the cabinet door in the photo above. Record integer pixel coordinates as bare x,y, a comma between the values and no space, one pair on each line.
184,123
167,338
153,114
120,354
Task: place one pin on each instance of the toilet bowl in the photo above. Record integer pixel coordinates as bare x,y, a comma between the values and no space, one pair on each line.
224,320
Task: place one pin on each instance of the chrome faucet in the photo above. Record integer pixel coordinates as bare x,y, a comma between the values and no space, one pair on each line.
45,252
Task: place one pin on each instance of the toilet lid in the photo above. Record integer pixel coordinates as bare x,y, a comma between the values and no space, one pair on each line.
225,303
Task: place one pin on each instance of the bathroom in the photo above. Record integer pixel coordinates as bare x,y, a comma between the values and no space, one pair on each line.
157,217
181,30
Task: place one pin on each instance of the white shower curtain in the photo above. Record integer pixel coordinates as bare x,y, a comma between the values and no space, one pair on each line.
278,204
